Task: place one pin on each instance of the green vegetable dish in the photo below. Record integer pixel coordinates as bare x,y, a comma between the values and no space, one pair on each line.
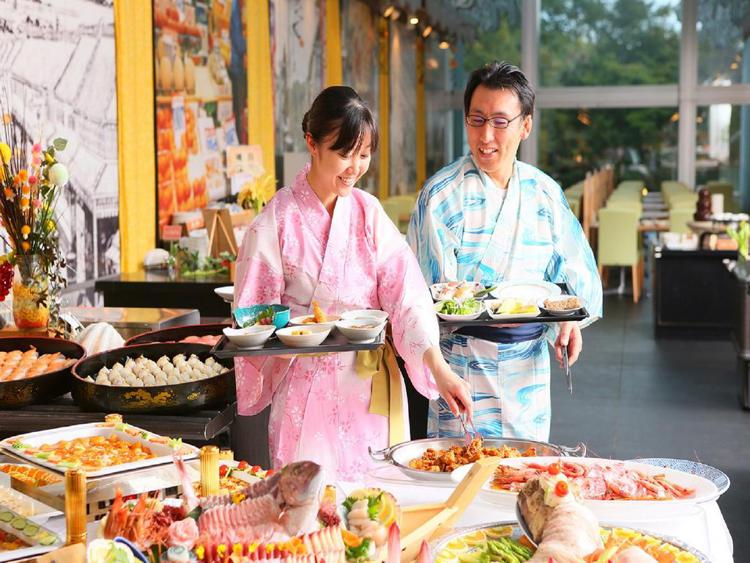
485,546
466,307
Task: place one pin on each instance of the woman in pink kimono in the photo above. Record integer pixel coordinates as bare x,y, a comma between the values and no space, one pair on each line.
323,240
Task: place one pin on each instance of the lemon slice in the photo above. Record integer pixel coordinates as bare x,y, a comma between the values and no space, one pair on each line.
475,538
457,546
108,550
446,556
499,532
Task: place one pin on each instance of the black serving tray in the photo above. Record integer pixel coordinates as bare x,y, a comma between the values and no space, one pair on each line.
336,342
486,320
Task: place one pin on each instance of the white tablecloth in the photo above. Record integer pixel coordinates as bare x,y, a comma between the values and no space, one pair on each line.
702,527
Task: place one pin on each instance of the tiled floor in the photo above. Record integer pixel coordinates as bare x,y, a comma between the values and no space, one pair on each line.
635,396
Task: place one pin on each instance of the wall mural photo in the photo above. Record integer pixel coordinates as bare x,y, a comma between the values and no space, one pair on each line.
58,69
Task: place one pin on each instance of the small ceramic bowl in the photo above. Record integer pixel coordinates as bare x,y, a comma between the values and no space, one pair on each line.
315,335
361,329
559,312
468,317
381,316
246,316
254,336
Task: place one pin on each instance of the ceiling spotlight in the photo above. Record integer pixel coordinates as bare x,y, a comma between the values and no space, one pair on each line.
413,20
444,45
388,11
426,31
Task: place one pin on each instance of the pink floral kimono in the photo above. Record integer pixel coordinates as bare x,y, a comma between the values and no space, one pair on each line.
294,253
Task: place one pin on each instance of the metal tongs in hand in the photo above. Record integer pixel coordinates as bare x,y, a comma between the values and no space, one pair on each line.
566,369
469,438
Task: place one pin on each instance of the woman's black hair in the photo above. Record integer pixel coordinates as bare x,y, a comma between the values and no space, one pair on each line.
340,110
501,76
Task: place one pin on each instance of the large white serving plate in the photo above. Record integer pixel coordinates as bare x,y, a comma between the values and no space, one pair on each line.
705,490
34,549
26,506
163,452
531,291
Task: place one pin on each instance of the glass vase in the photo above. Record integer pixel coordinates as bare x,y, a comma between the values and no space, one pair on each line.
30,286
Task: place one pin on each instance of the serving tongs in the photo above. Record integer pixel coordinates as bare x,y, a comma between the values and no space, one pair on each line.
467,435
566,369
484,292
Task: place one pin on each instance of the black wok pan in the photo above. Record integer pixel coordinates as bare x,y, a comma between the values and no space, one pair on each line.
213,392
41,388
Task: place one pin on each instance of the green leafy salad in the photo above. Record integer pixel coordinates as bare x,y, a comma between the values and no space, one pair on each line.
465,307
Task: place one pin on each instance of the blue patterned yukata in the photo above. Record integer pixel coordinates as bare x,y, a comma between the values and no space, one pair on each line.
463,229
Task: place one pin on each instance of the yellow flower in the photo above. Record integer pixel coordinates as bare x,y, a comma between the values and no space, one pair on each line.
221,550
25,231
9,194
22,175
51,225
200,552
25,189
25,246
24,203
4,153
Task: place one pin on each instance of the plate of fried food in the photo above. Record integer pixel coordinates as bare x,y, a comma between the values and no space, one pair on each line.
433,459
319,318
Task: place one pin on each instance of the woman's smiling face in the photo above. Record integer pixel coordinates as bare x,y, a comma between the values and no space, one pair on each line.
337,173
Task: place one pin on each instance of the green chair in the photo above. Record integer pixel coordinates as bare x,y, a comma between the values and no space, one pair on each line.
727,190
399,209
683,199
670,188
391,209
622,203
679,218
619,244
630,185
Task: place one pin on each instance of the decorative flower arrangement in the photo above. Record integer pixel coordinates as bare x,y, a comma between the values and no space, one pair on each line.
31,180
257,192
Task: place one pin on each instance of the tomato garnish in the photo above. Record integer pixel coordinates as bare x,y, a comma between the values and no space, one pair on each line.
269,472
223,469
561,489
554,468
242,465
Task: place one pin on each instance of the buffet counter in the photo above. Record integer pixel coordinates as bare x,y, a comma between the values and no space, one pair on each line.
159,289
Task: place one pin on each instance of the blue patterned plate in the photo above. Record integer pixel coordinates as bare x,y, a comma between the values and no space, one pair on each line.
716,476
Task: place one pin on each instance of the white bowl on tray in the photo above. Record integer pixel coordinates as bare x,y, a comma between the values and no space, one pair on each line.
362,330
368,314
315,337
530,290
612,510
300,321
556,312
226,293
467,317
491,304
251,337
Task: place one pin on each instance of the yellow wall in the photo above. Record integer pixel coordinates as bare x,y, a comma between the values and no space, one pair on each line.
259,81
135,130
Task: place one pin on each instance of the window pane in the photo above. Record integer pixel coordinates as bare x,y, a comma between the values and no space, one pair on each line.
721,47
720,143
640,143
609,42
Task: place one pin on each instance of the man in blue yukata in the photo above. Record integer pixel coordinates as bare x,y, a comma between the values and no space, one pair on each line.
489,218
